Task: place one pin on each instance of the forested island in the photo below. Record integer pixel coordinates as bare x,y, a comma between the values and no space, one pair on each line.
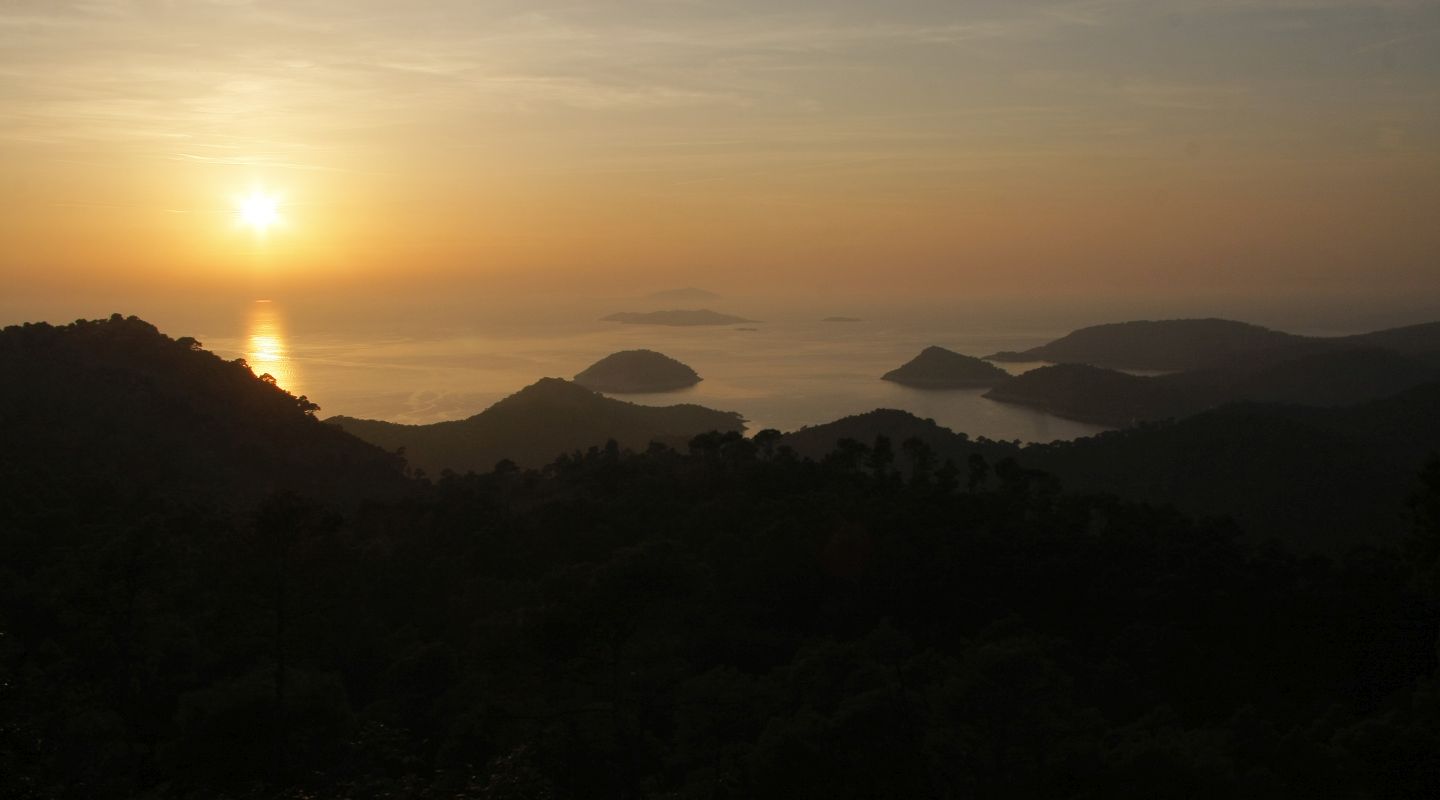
206,591
938,368
637,371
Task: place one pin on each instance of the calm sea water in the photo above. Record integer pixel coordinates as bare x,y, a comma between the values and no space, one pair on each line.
783,374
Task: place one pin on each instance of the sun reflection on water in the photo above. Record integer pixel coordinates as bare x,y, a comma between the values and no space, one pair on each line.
266,350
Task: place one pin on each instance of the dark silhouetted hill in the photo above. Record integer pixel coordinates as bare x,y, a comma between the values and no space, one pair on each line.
1316,478
537,424
817,441
1168,345
115,407
637,371
938,368
1319,479
703,316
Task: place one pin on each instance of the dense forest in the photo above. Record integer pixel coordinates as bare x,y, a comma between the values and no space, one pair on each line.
187,610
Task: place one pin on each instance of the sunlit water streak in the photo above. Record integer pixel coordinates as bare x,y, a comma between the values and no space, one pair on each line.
266,347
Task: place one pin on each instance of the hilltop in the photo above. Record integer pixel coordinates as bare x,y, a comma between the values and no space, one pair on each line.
535,425
114,408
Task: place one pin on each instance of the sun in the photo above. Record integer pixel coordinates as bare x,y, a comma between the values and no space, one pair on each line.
258,211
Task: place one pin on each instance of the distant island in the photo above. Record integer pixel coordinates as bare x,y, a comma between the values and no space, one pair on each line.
702,316
689,294
938,368
637,371
842,319
538,423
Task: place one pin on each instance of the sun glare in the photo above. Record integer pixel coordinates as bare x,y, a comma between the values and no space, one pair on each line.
258,211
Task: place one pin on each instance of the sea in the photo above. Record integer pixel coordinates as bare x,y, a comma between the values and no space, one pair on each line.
786,372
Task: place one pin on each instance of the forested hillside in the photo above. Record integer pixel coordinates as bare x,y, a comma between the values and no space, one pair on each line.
725,619
531,427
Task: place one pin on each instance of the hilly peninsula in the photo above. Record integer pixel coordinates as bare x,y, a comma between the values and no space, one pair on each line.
1164,345
535,425
681,318
637,372
938,368
1325,378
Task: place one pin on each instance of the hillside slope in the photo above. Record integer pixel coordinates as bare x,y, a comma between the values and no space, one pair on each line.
114,407
536,424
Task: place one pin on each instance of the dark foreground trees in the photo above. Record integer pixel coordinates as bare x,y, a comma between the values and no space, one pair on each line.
727,622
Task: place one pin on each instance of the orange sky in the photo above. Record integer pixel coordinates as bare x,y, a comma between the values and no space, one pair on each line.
1073,149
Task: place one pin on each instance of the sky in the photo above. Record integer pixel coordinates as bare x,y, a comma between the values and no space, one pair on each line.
1053,150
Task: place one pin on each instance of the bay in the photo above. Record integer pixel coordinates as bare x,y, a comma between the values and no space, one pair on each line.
783,374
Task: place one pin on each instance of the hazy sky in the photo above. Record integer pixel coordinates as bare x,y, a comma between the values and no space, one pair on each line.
1070,149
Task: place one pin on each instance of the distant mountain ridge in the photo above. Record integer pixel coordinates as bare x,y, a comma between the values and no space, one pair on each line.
536,424
689,294
679,317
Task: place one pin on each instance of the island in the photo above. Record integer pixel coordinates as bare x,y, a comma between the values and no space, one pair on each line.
702,316
938,368
637,372
689,294
842,319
